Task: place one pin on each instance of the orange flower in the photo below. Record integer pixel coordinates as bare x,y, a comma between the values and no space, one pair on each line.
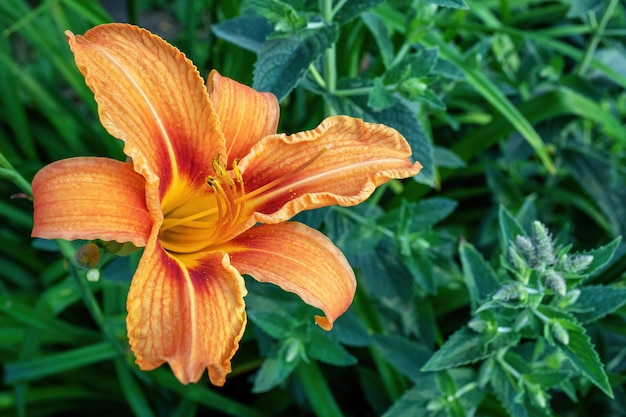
205,166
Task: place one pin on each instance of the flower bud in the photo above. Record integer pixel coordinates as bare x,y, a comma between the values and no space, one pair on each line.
88,255
508,292
559,332
542,241
556,283
577,263
526,249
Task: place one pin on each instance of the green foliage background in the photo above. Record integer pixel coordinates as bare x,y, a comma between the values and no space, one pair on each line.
491,284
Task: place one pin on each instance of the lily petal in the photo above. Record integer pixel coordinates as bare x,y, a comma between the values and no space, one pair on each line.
300,260
192,318
153,98
341,162
91,198
245,114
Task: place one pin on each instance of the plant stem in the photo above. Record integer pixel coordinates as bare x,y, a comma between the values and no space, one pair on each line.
88,298
330,61
595,40
317,390
7,171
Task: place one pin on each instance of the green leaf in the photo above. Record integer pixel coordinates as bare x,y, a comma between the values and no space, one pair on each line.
351,9
247,32
582,7
276,324
582,353
283,62
405,355
380,98
40,367
447,159
199,393
416,65
509,228
467,346
511,395
594,170
281,15
487,89
413,402
415,216
596,302
421,268
324,348
274,370
480,278
132,392
601,256
349,330
455,4
379,31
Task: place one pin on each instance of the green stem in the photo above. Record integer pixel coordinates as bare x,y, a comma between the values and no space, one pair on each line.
88,298
7,171
317,390
330,63
131,8
595,40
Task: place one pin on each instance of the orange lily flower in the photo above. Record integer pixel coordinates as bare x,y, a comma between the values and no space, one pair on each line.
205,166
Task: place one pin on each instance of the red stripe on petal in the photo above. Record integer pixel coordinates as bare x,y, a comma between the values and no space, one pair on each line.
190,317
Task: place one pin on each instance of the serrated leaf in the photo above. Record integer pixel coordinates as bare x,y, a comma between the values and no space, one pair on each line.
596,302
430,98
508,393
282,15
582,354
413,402
448,388
405,355
379,97
416,65
467,346
283,62
273,372
379,31
247,32
352,9
276,324
421,268
419,215
349,330
509,227
455,4
324,348
447,159
601,256
480,278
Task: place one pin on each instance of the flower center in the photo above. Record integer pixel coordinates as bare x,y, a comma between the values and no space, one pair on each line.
195,221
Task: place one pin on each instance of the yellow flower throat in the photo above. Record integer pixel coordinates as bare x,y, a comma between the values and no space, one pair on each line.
196,219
